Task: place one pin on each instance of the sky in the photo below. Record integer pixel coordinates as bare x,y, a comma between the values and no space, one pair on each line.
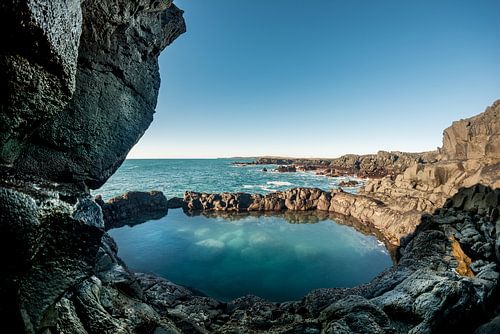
322,78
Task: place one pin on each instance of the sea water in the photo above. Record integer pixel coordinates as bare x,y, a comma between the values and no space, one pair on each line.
175,176
277,257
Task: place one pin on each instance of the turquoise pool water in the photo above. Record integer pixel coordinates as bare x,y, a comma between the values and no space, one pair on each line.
266,255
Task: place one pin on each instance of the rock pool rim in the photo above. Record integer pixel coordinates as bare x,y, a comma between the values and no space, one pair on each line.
290,216
340,278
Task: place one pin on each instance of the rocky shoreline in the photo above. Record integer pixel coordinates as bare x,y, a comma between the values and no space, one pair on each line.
445,241
445,278
362,166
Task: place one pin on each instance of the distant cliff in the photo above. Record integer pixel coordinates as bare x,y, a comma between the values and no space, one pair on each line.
369,165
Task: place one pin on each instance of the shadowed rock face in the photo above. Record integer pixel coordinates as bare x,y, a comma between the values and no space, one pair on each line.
78,87
117,82
38,61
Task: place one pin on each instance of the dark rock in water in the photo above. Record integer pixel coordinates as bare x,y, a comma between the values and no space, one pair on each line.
117,82
286,169
306,167
350,183
175,203
133,208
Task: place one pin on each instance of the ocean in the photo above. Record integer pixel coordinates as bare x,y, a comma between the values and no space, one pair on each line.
175,176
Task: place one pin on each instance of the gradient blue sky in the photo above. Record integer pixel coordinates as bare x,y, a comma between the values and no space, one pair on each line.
322,78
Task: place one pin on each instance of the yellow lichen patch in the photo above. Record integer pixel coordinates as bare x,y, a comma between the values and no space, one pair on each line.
463,260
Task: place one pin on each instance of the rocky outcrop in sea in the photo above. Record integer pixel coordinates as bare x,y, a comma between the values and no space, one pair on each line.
364,166
132,208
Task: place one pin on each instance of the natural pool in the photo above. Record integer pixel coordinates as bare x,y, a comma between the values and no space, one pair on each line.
276,257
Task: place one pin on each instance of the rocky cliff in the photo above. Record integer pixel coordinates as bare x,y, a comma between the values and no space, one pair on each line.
102,57
470,155
79,82
475,138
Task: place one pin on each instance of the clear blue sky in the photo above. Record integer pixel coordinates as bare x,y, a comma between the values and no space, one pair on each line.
322,77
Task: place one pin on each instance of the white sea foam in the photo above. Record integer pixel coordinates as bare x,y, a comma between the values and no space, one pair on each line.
279,183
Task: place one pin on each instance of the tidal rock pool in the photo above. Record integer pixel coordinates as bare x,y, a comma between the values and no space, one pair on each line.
277,257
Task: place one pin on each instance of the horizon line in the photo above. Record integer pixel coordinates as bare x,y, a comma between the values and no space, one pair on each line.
273,156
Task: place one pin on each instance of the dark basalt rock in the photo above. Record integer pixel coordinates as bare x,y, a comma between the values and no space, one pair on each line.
286,169
48,244
175,203
78,87
133,208
117,82
40,42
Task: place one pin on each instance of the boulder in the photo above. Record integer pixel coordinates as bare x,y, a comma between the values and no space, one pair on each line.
286,169
132,208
